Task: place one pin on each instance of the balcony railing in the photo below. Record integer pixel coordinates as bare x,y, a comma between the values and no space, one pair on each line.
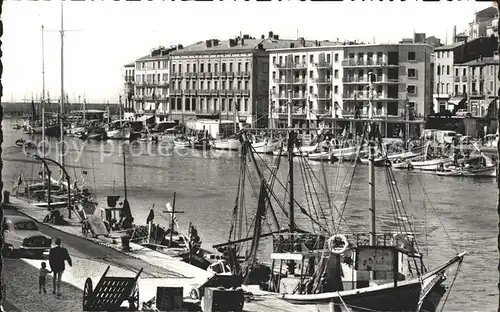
354,79
365,95
290,81
464,78
322,64
481,78
291,65
207,112
322,80
363,62
477,93
246,74
457,78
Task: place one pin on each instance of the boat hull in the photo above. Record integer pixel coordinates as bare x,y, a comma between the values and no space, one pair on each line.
231,144
51,131
119,134
482,172
404,297
264,148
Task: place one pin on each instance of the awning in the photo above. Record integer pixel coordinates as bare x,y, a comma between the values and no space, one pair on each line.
456,100
486,103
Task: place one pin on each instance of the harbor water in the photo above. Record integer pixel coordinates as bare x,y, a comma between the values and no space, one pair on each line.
461,214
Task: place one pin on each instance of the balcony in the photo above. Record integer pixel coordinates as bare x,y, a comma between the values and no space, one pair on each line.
295,110
138,97
323,95
473,79
322,80
139,84
366,63
292,66
176,92
354,79
291,81
230,74
464,78
481,78
294,95
322,65
246,74
457,78
164,83
212,112
223,75
477,93
208,75
365,95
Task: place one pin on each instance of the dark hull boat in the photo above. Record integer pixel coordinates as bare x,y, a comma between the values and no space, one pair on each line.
51,131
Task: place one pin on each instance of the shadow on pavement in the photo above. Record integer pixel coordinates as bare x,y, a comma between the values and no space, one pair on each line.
21,281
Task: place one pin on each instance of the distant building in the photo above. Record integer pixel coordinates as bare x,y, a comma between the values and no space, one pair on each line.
152,82
451,79
484,23
331,80
129,87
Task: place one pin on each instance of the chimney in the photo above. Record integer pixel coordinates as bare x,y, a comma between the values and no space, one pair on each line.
232,43
180,47
454,39
246,36
208,43
302,42
263,37
276,37
292,45
242,41
215,42
271,35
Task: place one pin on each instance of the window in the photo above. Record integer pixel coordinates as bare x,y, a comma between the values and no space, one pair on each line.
447,69
216,104
336,89
188,66
310,89
246,66
311,58
223,105
216,85
274,60
336,57
230,67
336,74
202,67
411,89
274,75
328,58
216,67
188,85
223,67
412,56
439,70
246,84
180,68
311,75
201,85
239,85
239,66
412,73
281,60
208,85
194,68
246,105
464,72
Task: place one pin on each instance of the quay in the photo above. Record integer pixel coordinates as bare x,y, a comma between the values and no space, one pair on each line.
91,257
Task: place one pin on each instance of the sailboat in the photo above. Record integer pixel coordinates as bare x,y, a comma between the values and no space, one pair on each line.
351,272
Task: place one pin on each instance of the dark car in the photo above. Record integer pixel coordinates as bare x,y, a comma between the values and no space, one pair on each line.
22,234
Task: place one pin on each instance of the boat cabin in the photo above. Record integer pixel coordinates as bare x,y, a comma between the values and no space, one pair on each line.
390,261
113,214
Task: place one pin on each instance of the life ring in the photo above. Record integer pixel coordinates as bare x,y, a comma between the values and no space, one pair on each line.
333,243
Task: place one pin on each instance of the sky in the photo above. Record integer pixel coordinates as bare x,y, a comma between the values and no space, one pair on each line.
102,36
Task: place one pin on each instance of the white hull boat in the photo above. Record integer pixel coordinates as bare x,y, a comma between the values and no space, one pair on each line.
430,164
227,144
119,134
279,152
345,153
264,147
304,150
320,156
179,142
489,171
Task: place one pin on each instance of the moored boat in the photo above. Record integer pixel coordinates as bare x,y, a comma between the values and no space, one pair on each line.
226,144
182,141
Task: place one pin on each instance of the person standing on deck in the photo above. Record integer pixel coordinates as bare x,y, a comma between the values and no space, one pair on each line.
57,257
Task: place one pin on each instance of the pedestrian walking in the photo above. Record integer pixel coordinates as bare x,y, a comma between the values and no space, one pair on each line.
42,278
57,258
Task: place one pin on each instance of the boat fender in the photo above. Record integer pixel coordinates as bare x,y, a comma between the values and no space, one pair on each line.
333,244
195,294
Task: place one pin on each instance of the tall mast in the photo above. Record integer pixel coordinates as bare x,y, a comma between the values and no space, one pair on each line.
43,101
371,174
62,88
291,139
124,171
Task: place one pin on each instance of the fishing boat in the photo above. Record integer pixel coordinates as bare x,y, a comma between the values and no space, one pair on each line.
334,268
119,131
231,144
182,141
323,153
304,150
202,144
98,134
264,145
16,127
481,166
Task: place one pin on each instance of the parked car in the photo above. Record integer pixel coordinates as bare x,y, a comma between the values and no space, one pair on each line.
463,113
22,234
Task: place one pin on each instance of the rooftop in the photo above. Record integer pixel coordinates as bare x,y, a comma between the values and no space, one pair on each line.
489,60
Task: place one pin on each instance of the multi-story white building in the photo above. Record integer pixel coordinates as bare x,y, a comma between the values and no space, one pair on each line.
152,82
332,80
128,88
445,77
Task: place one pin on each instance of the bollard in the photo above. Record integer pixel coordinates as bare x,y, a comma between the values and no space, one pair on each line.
125,243
6,197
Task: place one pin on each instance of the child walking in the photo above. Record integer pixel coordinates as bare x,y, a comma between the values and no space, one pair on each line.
42,279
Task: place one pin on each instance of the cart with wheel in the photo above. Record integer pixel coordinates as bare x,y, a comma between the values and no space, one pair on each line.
111,292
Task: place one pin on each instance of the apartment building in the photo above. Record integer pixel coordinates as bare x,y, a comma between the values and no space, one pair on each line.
152,82
485,23
332,81
479,88
225,79
451,75
129,86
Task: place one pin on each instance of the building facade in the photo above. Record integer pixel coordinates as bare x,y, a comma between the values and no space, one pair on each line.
333,81
152,82
220,79
481,82
445,78
129,87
